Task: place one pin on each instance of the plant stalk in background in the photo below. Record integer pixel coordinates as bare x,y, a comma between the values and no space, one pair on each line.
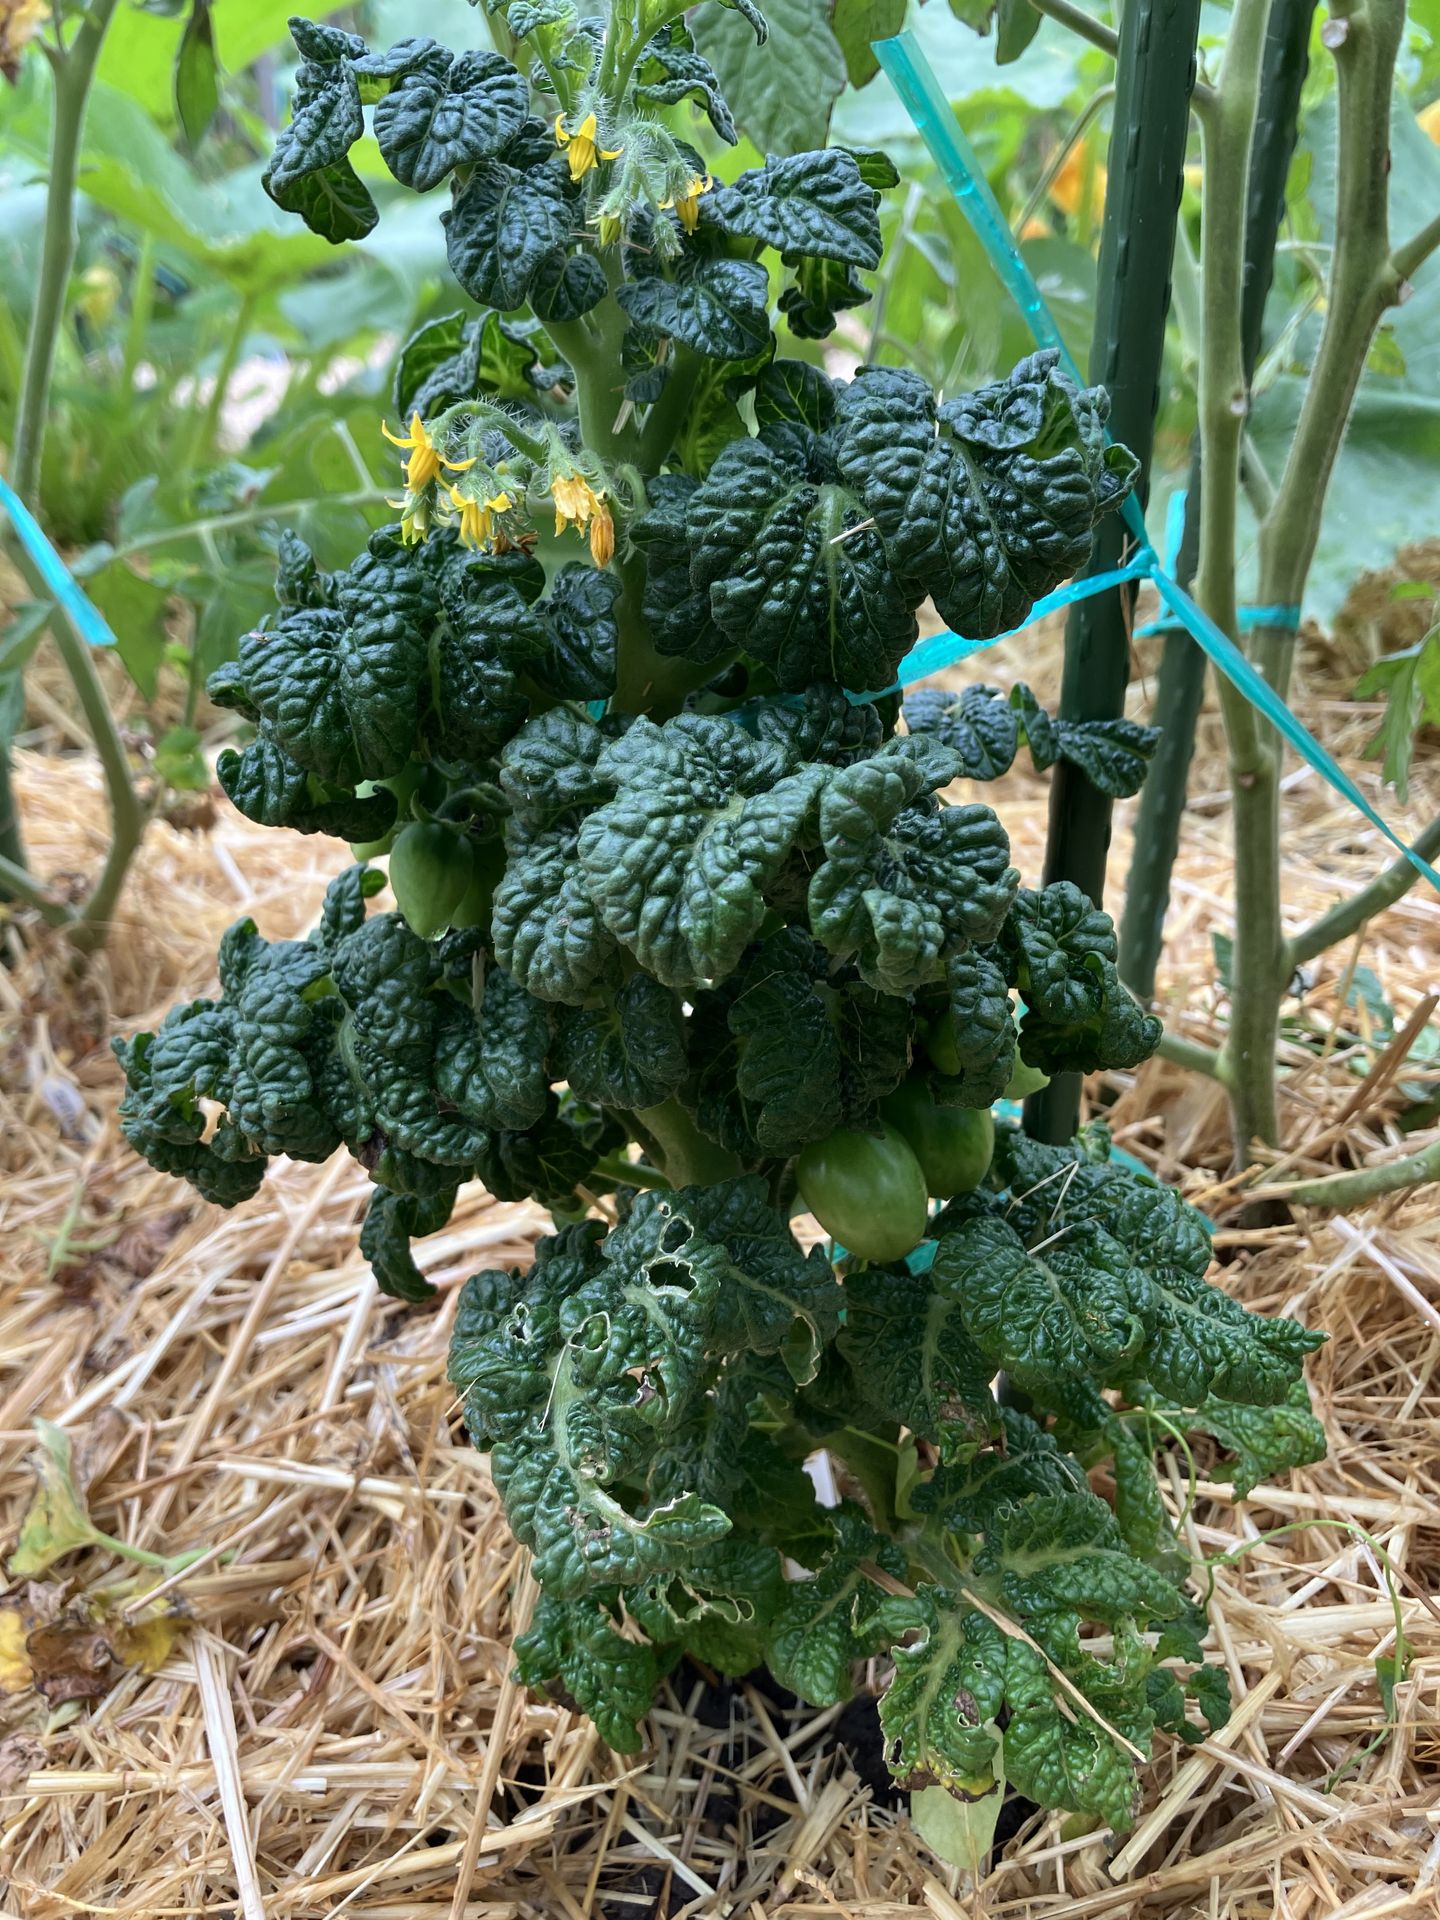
1181,687
1366,278
1147,164
73,68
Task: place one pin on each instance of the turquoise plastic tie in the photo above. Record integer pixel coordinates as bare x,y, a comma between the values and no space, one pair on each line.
910,73
86,618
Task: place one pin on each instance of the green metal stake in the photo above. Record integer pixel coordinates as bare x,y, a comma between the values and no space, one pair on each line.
1181,687
1155,76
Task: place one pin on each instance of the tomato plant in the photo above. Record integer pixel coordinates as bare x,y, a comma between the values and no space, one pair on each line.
628,637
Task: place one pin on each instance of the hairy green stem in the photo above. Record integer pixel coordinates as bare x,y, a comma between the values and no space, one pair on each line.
1364,39
1348,916
1347,1190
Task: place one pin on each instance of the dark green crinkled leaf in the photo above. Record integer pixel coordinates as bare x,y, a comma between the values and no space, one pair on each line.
326,121
574,1652
982,1029
1093,1305
783,1053
772,1298
1057,1755
905,1337
567,285
490,1066
391,1222
1045,1316
677,612
626,1052
906,884
820,291
1113,754
719,1608
1078,1013
670,70
333,201
814,204
571,1378
985,727
546,929
502,228
548,1160
762,533
272,789
978,724
676,863
715,305
821,724
825,1623
459,357
1259,1442
948,1686
432,122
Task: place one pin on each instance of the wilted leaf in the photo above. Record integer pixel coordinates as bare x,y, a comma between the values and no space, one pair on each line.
55,1522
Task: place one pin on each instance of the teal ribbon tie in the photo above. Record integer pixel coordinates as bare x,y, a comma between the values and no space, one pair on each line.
913,79
85,617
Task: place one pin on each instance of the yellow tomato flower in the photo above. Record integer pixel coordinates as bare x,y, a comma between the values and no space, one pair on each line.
602,534
426,459
687,204
477,517
1429,119
583,149
19,22
578,505
575,500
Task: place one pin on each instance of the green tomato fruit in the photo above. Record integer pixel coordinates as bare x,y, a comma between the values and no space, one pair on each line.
867,1192
954,1145
430,869
1025,1080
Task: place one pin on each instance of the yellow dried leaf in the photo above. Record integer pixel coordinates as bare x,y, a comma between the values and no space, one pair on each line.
56,1522
148,1642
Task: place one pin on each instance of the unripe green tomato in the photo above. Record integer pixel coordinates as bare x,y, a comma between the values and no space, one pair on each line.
866,1190
1025,1080
430,871
487,868
954,1145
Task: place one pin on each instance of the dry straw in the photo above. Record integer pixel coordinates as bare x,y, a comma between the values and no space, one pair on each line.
330,1728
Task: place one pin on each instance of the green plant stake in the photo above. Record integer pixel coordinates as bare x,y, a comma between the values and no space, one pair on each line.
1180,689
1154,79
725,929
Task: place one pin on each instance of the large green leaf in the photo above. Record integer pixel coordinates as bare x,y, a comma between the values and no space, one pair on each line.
780,92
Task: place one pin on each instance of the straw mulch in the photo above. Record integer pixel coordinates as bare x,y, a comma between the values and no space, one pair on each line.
315,1718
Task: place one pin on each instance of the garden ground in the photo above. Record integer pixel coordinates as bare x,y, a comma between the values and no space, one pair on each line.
315,1717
